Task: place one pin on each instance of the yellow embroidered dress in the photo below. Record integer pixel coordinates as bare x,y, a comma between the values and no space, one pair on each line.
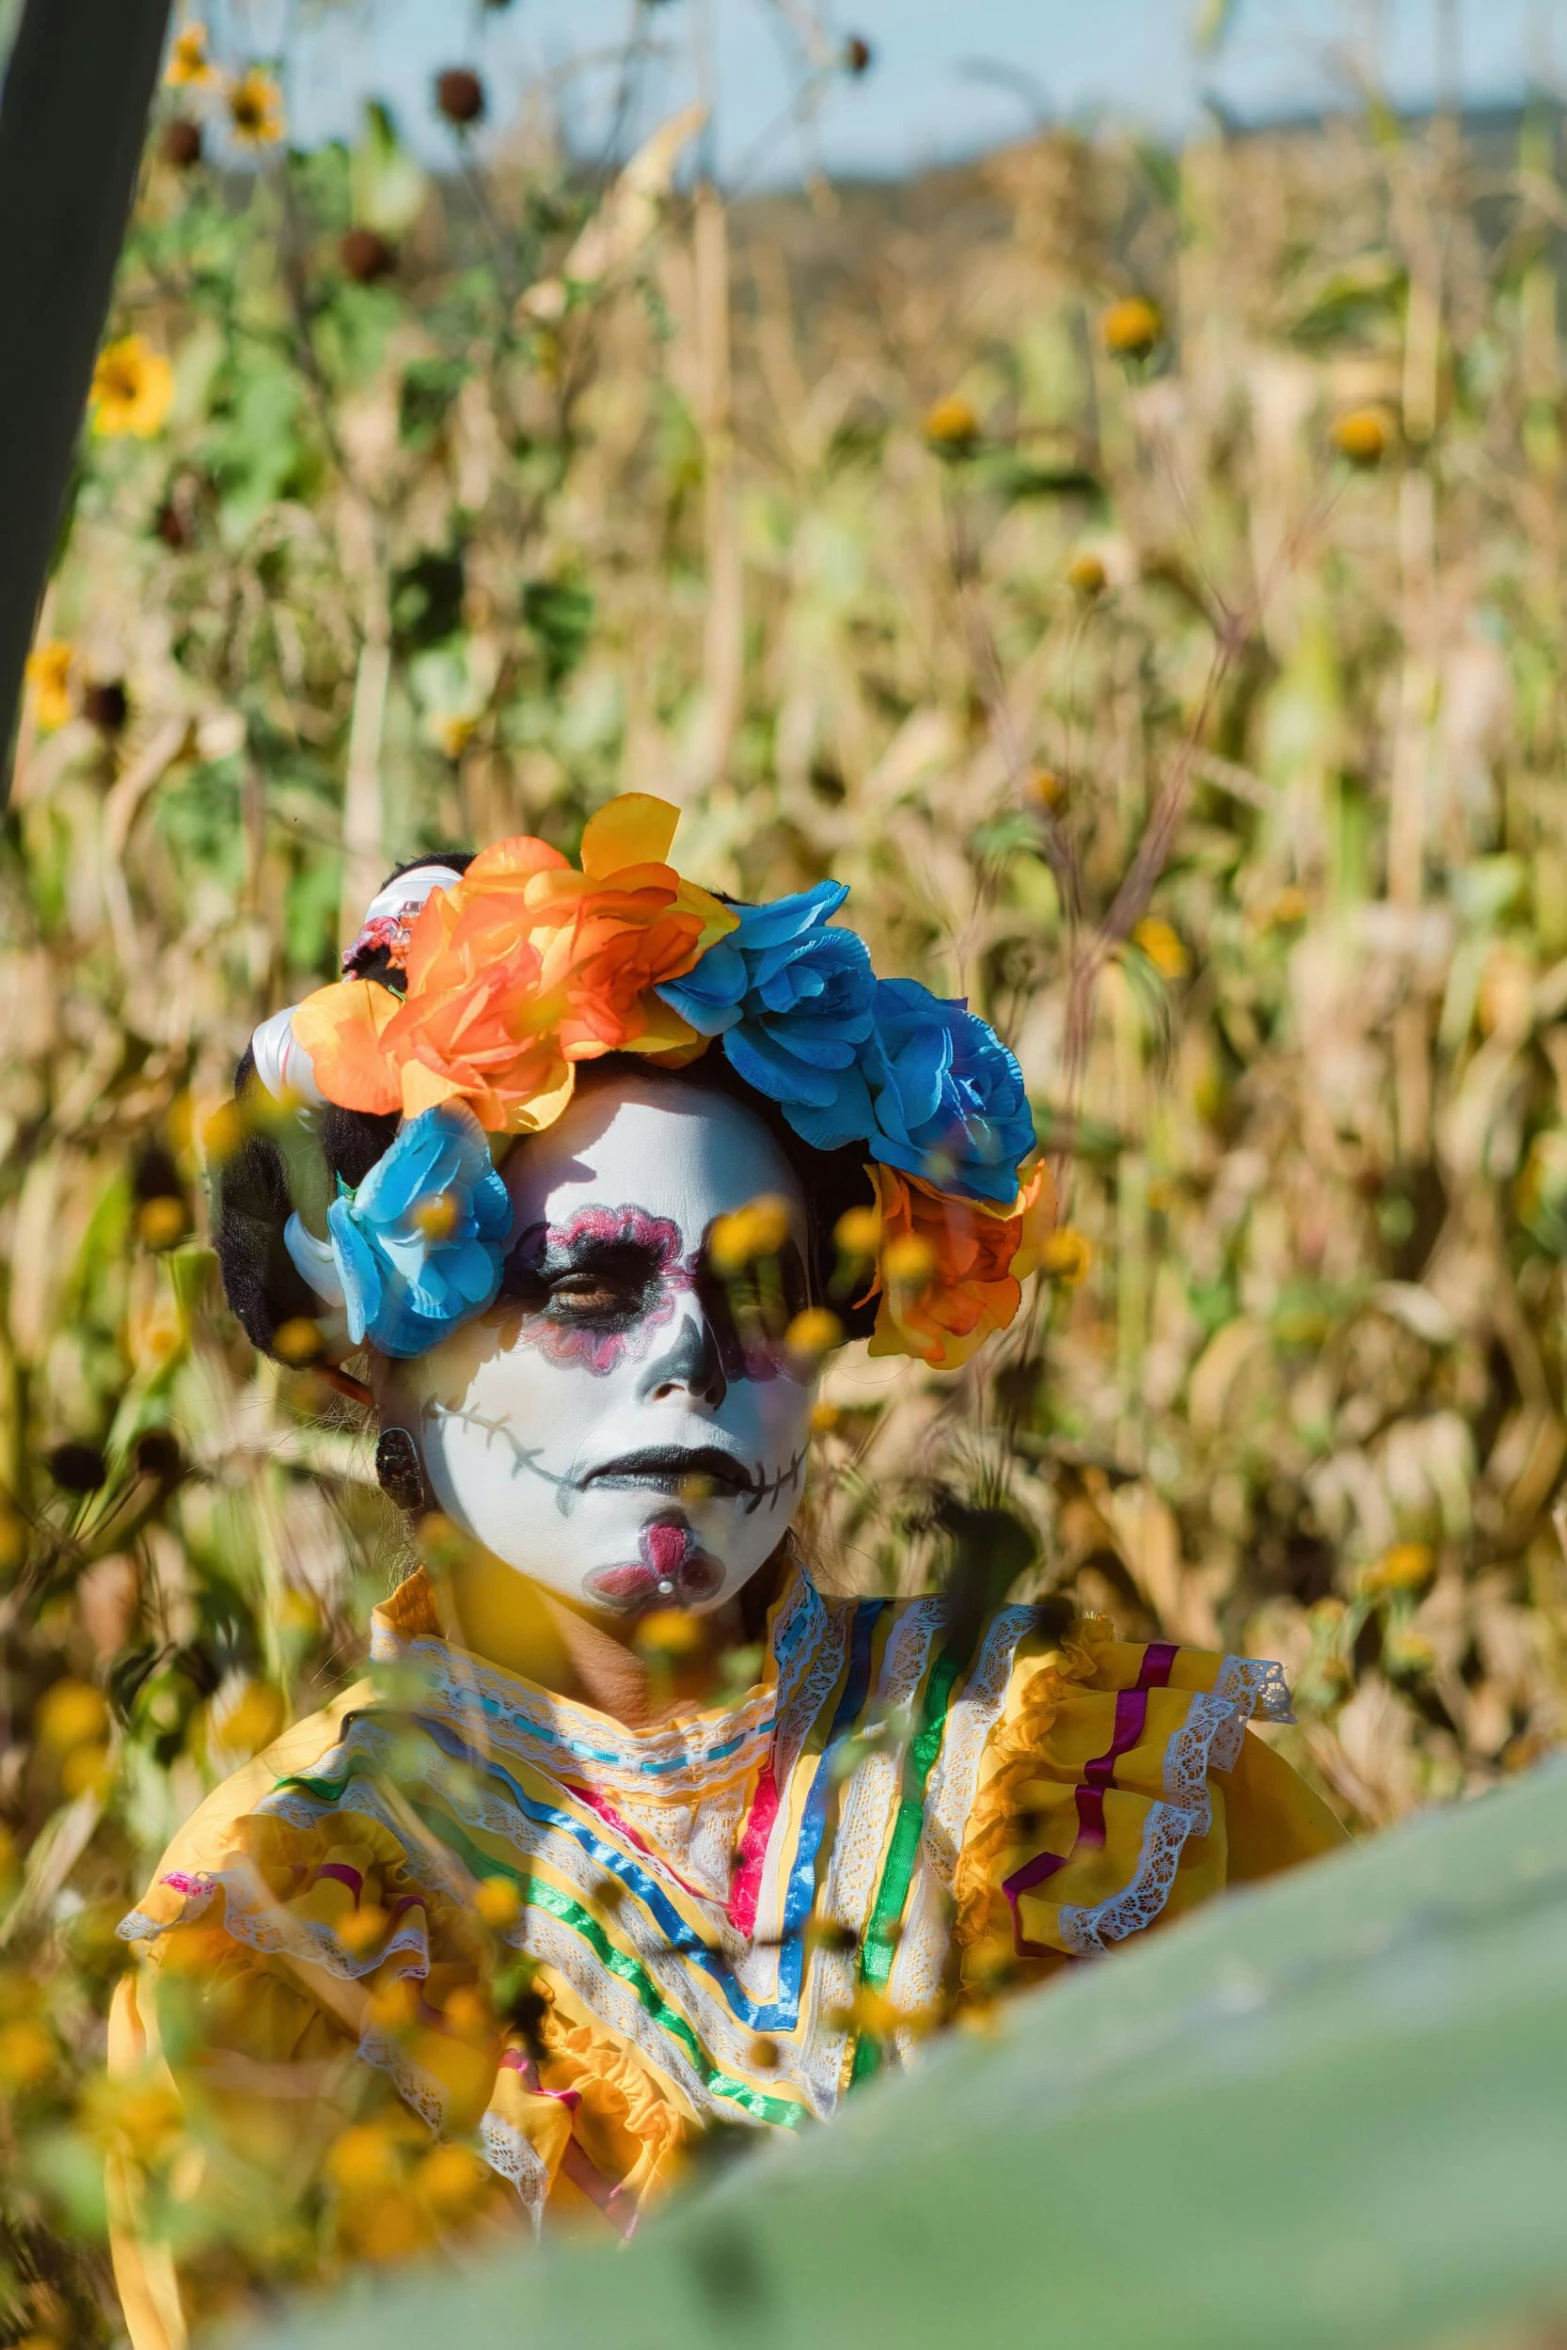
733,1917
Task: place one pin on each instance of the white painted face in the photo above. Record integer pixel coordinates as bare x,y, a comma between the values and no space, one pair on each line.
611,1428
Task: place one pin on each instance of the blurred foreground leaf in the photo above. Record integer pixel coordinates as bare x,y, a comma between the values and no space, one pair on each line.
1328,2113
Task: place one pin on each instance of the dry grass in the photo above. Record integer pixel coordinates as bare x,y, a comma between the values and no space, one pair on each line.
1219,765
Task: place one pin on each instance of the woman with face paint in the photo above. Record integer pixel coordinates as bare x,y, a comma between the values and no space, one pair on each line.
572,1179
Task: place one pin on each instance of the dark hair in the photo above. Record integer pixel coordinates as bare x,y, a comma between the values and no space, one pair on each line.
253,1197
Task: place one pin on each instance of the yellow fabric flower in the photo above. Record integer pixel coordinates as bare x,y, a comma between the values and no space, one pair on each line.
132,389
255,105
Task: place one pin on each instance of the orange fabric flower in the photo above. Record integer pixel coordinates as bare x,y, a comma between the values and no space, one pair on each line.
522,970
977,1258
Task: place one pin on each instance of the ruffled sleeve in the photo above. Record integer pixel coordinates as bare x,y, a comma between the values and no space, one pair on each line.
1120,1787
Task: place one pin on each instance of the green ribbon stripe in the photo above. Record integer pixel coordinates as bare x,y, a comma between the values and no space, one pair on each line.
877,1947
777,2110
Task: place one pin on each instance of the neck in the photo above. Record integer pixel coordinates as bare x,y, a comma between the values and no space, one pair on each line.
511,1621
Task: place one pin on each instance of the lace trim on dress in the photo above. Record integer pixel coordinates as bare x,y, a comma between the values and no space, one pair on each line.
510,2156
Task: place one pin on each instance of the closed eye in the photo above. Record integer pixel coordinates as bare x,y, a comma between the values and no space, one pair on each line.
595,1281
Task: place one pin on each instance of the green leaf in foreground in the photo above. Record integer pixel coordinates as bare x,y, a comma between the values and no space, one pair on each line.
1326,2115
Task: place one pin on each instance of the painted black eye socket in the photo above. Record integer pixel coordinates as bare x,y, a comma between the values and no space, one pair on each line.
595,1281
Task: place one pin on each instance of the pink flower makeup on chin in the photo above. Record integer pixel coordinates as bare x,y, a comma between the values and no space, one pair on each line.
607,1429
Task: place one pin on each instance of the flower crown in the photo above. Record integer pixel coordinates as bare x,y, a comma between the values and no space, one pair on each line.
496,983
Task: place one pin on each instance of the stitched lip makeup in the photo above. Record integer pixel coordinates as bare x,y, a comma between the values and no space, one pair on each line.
671,1468
673,1571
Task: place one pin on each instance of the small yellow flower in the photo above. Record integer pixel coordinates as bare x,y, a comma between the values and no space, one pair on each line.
1290,906
49,675
498,1902
361,1929
190,64
250,1720
814,1332
454,735
297,1341
908,1262
1408,1656
436,1215
757,1230
298,1615
161,1222
132,389
1086,573
1361,435
765,2053
825,1418
1129,329
450,2179
1044,788
669,1634
858,1232
223,1135
255,105
1163,947
1066,1256
363,2160
26,2053
1408,1566
70,1714
86,1770
951,427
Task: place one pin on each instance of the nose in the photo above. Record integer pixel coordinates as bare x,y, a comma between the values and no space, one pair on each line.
690,1361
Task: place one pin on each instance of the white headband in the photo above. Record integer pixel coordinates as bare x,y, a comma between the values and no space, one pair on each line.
392,909
282,1063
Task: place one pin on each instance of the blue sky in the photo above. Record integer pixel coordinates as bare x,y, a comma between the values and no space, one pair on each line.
950,76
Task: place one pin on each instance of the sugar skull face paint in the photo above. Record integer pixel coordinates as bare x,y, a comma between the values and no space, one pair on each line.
613,1427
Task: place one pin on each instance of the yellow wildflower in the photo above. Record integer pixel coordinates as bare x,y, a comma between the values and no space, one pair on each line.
858,1231
757,1230
1408,1566
908,1262
190,65
255,105
1361,435
26,2053
49,675
669,1633
86,1770
455,734
450,2179
297,1341
813,1332
132,389
498,1902
70,1714
1162,946
436,1215
825,1418
951,427
363,2160
161,1222
1129,329
1086,572
1065,1256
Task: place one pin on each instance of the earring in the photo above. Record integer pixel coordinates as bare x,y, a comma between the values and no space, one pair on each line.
397,1470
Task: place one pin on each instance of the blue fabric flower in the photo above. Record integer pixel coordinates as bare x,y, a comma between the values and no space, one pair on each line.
948,1101
794,1003
419,1246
